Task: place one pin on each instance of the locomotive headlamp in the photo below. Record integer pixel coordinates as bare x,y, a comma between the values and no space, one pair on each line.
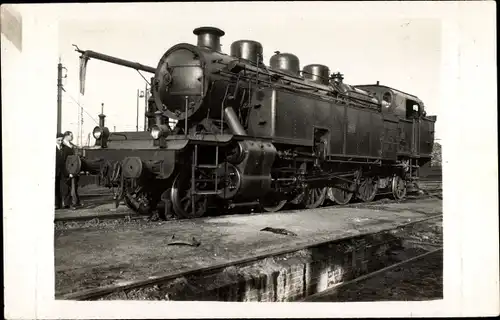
159,131
97,132
155,132
101,134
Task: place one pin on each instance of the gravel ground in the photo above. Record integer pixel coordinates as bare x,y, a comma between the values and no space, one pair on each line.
123,224
421,279
114,251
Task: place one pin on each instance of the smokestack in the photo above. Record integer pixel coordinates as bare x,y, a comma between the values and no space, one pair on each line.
209,37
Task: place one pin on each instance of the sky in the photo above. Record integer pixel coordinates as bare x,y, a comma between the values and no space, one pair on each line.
399,52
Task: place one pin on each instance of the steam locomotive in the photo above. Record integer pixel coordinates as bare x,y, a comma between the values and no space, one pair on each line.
248,134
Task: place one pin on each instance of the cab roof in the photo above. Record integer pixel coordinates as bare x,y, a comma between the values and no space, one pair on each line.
402,93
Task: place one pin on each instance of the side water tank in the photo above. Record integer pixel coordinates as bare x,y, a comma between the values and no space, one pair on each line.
247,49
316,73
285,62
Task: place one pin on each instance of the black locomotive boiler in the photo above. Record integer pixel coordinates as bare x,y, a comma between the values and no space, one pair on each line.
249,134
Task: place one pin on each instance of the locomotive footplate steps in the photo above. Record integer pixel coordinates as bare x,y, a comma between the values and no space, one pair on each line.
90,262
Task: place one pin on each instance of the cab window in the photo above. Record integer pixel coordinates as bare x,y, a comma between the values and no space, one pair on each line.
412,109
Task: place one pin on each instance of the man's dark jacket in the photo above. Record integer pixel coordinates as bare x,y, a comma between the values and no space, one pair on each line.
61,156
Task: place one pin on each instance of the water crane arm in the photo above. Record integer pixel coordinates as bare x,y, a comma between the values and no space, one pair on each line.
87,54
118,61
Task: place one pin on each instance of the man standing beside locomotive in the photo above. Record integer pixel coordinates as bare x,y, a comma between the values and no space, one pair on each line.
71,190
59,181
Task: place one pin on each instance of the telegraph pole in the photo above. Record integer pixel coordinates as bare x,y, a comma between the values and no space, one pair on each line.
139,95
81,125
146,97
137,114
59,94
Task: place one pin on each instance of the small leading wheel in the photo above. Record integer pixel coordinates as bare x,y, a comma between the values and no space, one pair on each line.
299,198
139,203
367,189
183,200
273,205
138,208
314,197
398,187
338,195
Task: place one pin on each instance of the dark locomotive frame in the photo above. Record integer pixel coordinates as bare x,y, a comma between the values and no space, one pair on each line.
248,134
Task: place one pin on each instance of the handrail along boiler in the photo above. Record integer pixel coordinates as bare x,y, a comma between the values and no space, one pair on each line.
250,134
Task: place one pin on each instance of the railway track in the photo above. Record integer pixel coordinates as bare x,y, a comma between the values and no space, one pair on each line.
434,251
98,293
434,191
408,242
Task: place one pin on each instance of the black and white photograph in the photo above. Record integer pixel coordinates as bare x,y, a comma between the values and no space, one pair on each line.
252,152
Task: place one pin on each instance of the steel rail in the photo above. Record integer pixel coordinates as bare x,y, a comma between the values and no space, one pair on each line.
96,293
426,195
349,205
99,218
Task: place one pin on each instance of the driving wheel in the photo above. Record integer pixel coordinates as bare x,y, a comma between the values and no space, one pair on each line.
398,187
314,197
273,205
367,189
185,204
340,195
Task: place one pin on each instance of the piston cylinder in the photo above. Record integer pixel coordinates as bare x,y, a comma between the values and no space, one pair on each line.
255,168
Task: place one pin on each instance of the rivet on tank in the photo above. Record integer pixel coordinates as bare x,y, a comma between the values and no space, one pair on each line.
247,49
285,62
316,73
209,37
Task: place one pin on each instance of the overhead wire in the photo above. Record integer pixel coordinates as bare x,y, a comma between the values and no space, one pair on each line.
83,109
74,100
143,77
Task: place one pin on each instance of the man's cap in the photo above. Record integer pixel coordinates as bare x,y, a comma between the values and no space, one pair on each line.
60,135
